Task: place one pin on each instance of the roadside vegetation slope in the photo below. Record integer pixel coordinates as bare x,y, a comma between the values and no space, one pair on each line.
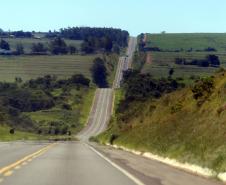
187,124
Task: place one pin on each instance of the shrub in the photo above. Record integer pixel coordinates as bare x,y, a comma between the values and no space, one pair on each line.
176,108
12,131
203,89
66,106
113,138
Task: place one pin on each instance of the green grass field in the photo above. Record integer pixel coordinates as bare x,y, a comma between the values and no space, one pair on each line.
18,135
28,67
163,61
27,42
197,41
6,136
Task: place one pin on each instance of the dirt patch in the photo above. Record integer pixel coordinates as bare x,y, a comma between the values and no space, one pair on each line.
149,58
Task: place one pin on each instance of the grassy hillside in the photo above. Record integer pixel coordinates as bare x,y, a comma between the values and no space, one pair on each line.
46,105
27,67
177,125
74,118
186,41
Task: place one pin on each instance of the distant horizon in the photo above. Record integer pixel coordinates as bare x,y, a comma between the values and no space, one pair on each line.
57,30
145,16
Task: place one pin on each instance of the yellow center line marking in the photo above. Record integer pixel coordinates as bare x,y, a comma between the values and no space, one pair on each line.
1,180
29,160
23,160
8,173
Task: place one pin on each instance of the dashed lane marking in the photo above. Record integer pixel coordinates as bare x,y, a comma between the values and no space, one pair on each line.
8,173
7,169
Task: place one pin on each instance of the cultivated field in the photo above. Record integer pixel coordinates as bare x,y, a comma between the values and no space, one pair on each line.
28,67
27,42
186,41
161,62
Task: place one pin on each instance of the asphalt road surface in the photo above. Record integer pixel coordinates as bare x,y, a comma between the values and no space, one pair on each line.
125,62
99,115
72,163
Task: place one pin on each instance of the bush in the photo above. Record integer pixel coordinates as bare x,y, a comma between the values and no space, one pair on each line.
38,48
113,138
58,46
12,131
214,60
203,89
176,108
211,60
4,45
66,106
80,79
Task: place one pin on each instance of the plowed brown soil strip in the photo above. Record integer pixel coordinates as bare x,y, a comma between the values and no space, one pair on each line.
149,58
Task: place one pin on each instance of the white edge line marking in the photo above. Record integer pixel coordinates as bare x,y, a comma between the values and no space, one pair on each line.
130,176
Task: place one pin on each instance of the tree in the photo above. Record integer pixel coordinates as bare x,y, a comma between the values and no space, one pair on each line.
18,80
171,71
99,73
80,79
202,89
38,48
85,47
4,45
214,60
58,46
12,131
116,49
107,43
19,49
72,49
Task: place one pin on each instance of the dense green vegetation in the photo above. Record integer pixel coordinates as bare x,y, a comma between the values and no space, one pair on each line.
45,105
65,41
29,42
99,73
116,36
50,104
44,94
187,124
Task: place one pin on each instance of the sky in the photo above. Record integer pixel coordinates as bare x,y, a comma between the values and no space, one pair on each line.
136,16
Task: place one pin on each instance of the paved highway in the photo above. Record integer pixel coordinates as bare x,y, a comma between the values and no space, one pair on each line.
99,115
70,163
78,163
125,62
62,164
